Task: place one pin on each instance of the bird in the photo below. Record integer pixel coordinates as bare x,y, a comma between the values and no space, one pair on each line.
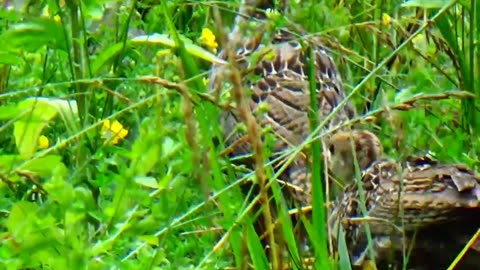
419,204
274,66
341,149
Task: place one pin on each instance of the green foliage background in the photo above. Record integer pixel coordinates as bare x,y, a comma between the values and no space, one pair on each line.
163,198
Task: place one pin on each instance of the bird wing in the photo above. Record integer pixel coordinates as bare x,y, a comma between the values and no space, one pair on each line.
275,76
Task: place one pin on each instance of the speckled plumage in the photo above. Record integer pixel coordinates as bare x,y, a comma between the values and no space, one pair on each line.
340,149
274,67
407,204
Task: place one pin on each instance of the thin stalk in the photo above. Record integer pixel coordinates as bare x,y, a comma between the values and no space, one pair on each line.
319,216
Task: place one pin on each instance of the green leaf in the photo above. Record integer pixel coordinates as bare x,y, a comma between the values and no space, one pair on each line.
7,162
47,166
191,48
170,147
286,224
34,34
67,109
165,181
20,214
106,56
8,112
254,245
149,239
36,114
343,251
146,181
145,155
425,3
10,59
28,130
10,15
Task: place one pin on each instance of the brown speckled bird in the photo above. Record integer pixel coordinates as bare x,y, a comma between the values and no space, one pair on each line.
274,64
346,147
422,204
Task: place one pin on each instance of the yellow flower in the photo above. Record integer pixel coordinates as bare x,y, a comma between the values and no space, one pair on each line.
208,39
386,19
43,142
113,133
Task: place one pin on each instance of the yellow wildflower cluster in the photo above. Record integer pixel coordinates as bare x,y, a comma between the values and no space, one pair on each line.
208,39
113,132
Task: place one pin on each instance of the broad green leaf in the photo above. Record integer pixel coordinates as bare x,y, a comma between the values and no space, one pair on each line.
27,130
10,15
36,115
146,181
94,9
34,34
105,56
18,219
10,111
10,59
35,232
47,166
37,109
145,155
191,48
165,181
425,3
8,162
170,148
150,239
67,109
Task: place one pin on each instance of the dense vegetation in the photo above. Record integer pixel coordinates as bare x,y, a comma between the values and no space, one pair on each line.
107,157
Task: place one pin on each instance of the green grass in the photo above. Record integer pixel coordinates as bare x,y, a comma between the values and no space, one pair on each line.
163,197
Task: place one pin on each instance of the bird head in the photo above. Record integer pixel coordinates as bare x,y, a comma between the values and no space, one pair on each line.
346,148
